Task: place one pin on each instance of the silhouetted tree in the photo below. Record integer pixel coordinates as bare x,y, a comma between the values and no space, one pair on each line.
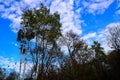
78,55
114,65
99,61
2,73
114,55
12,76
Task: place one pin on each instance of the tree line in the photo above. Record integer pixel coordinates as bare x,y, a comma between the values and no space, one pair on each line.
42,43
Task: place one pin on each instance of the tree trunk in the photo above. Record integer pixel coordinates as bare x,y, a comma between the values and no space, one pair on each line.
20,65
38,58
26,58
21,51
37,72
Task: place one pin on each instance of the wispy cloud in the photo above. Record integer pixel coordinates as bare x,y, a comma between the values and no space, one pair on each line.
12,10
111,25
97,6
70,17
117,7
89,35
10,63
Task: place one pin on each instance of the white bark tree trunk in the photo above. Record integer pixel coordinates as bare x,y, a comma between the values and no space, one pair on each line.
21,51
20,66
26,58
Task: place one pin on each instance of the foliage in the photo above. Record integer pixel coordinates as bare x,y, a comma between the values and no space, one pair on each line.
44,28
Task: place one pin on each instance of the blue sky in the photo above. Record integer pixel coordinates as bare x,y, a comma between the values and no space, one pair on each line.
88,18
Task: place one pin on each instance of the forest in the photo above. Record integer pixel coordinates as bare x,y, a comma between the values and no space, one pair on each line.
54,55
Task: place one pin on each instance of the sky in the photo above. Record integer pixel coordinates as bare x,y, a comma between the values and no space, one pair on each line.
88,18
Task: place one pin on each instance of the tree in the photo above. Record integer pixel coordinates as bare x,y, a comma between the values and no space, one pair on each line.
2,73
44,28
114,37
21,39
73,44
114,55
99,51
99,61
78,54
24,37
114,65
12,76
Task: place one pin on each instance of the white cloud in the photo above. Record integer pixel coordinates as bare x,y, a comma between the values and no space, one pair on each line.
117,12
70,18
12,10
118,7
97,6
89,35
10,63
12,13
113,25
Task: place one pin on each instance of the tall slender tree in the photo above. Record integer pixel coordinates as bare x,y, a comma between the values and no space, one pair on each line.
21,39
44,27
